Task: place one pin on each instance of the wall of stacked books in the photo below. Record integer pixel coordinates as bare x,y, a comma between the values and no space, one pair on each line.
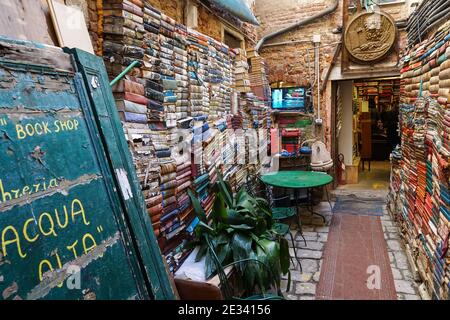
185,80
419,190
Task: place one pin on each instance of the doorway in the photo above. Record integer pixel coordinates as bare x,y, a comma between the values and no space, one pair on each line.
367,130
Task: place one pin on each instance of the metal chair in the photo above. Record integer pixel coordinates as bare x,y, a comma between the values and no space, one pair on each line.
279,214
282,213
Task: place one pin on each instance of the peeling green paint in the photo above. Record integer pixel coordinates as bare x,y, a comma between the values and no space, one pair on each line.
59,204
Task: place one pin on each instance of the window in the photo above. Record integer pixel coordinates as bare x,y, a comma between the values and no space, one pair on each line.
231,40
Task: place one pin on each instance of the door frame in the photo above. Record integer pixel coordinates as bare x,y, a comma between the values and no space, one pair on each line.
334,140
119,157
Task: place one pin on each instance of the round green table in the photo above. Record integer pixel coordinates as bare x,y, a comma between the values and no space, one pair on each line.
298,180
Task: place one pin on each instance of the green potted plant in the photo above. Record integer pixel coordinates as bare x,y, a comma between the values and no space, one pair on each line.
240,229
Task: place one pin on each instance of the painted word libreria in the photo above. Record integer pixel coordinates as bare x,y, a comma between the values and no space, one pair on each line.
11,194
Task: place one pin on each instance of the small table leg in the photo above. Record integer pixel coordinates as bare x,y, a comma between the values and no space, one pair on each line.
311,206
297,206
328,198
299,222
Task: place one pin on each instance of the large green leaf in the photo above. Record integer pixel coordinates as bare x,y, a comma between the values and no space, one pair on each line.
211,258
228,187
251,221
257,241
251,273
242,247
240,196
272,250
222,238
197,206
225,190
223,252
262,202
206,227
265,211
265,278
272,258
193,244
198,233
210,265
247,205
285,260
261,226
201,252
234,217
241,227
219,209
263,205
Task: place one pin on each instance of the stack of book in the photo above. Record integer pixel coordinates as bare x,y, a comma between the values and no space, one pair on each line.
184,80
123,34
258,75
226,85
215,78
198,75
420,177
241,76
181,75
151,69
167,58
258,110
212,155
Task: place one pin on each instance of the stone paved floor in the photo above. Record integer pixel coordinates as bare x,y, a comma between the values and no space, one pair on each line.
407,288
303,285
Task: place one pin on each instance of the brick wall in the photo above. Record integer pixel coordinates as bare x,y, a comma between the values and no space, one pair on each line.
94,28
289,63
209,24
172,8
292,64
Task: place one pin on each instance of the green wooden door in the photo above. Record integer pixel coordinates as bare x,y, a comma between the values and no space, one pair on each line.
64,227
107,118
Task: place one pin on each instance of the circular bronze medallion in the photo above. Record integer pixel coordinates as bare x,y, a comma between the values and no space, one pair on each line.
370,36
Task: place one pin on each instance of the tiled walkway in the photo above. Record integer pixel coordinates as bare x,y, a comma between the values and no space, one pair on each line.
383,248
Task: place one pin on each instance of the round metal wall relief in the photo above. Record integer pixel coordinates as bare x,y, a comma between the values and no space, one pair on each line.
370,36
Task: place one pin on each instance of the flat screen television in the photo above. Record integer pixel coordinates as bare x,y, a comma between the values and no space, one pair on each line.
289,99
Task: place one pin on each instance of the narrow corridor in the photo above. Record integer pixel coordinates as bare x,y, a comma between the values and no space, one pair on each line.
202,149
356,254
